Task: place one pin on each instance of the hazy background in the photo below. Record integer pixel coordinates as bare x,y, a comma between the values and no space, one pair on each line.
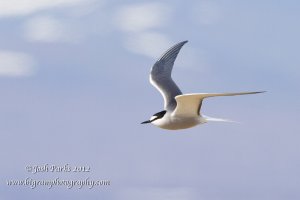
74,88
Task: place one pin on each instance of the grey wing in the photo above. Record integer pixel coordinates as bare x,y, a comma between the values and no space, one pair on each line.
160,76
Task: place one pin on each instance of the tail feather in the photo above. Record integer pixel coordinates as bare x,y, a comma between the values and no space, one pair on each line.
212,119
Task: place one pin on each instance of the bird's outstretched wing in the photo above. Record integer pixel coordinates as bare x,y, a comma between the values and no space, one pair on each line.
189,105
160,76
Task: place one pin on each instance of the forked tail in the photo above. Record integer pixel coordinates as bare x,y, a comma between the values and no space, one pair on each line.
212,119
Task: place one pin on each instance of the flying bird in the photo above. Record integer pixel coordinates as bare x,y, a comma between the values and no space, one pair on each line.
181,111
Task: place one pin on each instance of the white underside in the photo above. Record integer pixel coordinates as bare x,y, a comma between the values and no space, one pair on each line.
176,122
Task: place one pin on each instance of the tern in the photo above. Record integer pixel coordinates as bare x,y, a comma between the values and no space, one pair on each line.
181,111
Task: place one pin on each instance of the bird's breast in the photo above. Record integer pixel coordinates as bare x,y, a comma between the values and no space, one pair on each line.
174,123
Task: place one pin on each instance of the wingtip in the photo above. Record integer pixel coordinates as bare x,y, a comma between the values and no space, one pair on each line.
182,43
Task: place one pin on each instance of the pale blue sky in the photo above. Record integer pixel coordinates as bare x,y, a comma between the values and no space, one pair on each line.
74,89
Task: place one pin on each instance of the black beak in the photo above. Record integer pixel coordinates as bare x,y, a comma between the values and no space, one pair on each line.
146,122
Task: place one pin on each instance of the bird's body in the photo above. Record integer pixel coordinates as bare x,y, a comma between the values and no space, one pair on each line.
173,122
181,110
